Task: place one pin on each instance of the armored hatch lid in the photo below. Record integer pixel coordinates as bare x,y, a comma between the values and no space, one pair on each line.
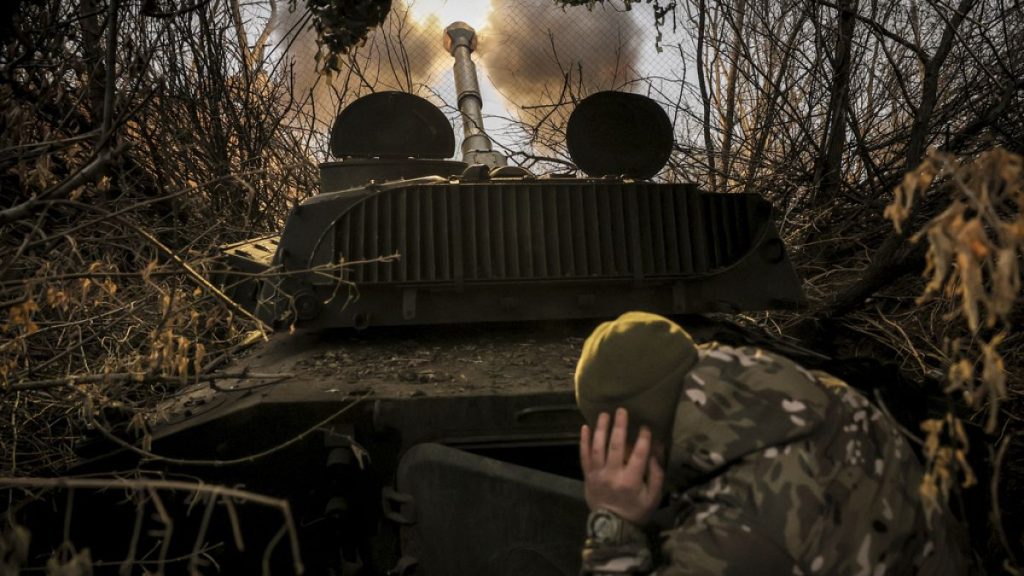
455,497
619,134
392,125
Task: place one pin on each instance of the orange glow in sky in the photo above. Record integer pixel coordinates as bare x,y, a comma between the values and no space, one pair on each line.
472,12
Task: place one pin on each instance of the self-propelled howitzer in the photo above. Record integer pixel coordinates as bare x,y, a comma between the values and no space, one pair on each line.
400,235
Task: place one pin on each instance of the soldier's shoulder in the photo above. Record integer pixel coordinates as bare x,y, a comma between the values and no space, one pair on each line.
758,371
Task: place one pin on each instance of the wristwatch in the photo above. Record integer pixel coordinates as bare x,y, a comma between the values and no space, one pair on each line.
606,528
614,546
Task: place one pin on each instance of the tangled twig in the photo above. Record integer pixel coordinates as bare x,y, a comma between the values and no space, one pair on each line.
151,487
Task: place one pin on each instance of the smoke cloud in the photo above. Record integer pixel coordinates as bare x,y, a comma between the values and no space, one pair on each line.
536,54
539,57
400,55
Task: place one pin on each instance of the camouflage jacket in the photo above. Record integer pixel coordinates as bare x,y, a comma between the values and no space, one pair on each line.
777,470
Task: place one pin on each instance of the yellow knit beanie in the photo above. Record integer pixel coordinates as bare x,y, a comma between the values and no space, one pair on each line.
637,361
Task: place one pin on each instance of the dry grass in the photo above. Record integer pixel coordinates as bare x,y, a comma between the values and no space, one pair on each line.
103,286
954,329
125,161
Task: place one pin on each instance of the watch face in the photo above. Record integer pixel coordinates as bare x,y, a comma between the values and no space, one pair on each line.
604,526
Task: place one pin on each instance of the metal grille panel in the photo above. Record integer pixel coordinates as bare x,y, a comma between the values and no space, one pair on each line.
545,231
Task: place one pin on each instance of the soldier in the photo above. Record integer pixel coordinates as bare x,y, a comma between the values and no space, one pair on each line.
770,468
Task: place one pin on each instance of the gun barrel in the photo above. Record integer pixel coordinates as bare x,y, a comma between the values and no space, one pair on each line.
460,41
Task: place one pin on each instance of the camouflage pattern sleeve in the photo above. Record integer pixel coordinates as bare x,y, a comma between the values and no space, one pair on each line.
713,539
631,559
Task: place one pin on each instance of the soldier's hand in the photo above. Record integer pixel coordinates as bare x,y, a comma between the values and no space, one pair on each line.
625,482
